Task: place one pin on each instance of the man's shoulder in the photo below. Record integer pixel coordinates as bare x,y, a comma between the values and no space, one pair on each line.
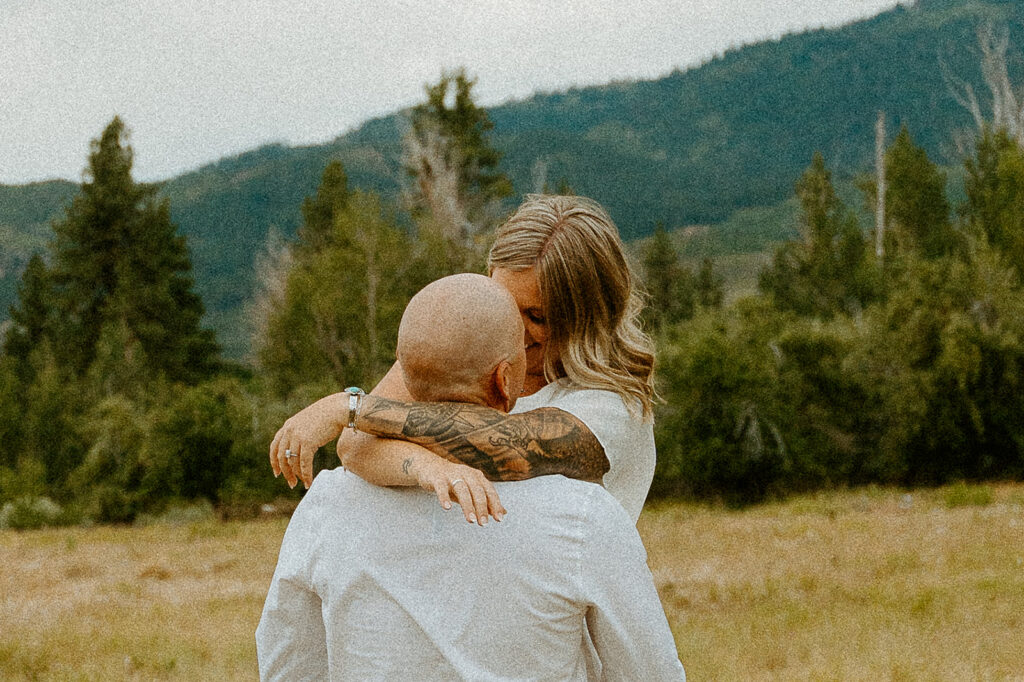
340,482
545,486
331,482
557,495
339,491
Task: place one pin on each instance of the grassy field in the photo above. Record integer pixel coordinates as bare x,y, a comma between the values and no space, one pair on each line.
860,585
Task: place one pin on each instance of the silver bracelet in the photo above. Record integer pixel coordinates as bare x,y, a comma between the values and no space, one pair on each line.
355,398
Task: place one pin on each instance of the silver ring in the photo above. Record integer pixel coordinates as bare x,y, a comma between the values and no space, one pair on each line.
457,480
288,454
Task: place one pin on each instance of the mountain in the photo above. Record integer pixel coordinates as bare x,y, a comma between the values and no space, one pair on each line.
693,147
25,214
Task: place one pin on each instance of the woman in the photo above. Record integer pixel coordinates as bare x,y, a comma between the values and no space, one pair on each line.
562,260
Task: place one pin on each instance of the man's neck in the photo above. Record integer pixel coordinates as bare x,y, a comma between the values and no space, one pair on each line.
468,399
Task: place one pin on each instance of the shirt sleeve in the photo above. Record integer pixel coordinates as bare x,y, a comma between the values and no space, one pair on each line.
628,443
291,642
625,618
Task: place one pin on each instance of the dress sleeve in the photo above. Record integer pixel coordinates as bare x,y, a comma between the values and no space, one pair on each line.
628,442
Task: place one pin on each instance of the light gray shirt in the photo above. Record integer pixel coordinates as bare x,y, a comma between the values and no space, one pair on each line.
383,584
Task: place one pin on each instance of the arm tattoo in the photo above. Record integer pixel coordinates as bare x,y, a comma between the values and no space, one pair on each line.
505,447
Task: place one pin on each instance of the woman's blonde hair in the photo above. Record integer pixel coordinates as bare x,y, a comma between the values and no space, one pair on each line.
591,305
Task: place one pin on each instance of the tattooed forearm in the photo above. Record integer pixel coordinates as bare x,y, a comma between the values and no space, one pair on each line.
505,447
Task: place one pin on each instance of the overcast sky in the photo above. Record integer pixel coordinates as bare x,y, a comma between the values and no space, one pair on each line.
196,81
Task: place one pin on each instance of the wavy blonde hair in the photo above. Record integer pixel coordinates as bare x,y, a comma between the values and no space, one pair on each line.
591,304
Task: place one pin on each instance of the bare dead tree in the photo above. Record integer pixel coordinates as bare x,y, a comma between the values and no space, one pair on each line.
1006,112
272,267
436,180
880,185
436,187
963,93
1006,103
539,175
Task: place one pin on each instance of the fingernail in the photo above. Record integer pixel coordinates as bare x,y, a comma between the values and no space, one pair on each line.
483,521
447,505
472,518
498,517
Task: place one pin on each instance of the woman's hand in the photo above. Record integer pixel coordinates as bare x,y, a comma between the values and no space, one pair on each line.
296,442
470,488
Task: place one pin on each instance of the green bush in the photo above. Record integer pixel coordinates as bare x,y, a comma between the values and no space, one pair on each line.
109,503
26,479
961,494
718,433
940,365
178,514
30,512
107,481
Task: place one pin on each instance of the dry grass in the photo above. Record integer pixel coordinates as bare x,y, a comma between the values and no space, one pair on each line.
159,602
862,585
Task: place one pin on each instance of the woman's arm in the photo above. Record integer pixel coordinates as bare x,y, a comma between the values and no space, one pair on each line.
380,461
505,447
376,460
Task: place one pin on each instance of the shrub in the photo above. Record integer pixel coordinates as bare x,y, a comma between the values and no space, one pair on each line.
718,433
963,495
30,512
179,514
109,503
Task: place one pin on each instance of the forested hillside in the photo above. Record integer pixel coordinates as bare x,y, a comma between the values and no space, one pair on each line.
693,147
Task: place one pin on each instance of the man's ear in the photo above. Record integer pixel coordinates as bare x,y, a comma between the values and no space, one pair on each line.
500,380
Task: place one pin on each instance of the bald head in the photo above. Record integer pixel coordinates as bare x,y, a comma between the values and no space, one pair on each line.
454,334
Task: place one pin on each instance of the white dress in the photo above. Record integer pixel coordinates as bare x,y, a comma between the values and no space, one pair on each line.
628,442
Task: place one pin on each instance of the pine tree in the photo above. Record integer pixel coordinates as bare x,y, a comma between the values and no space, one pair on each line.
995,195
670,287
12,401
709,286
336,320
825,272
117,259
32,317
916,208
318,213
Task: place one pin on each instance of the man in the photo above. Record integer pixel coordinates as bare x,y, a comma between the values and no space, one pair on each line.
383,584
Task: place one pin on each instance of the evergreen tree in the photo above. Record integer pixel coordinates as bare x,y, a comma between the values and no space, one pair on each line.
318,213
916,208
995,195
709,286
11,409
49,422
670,287
336,321
825,273
31,318
117,259
457,184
